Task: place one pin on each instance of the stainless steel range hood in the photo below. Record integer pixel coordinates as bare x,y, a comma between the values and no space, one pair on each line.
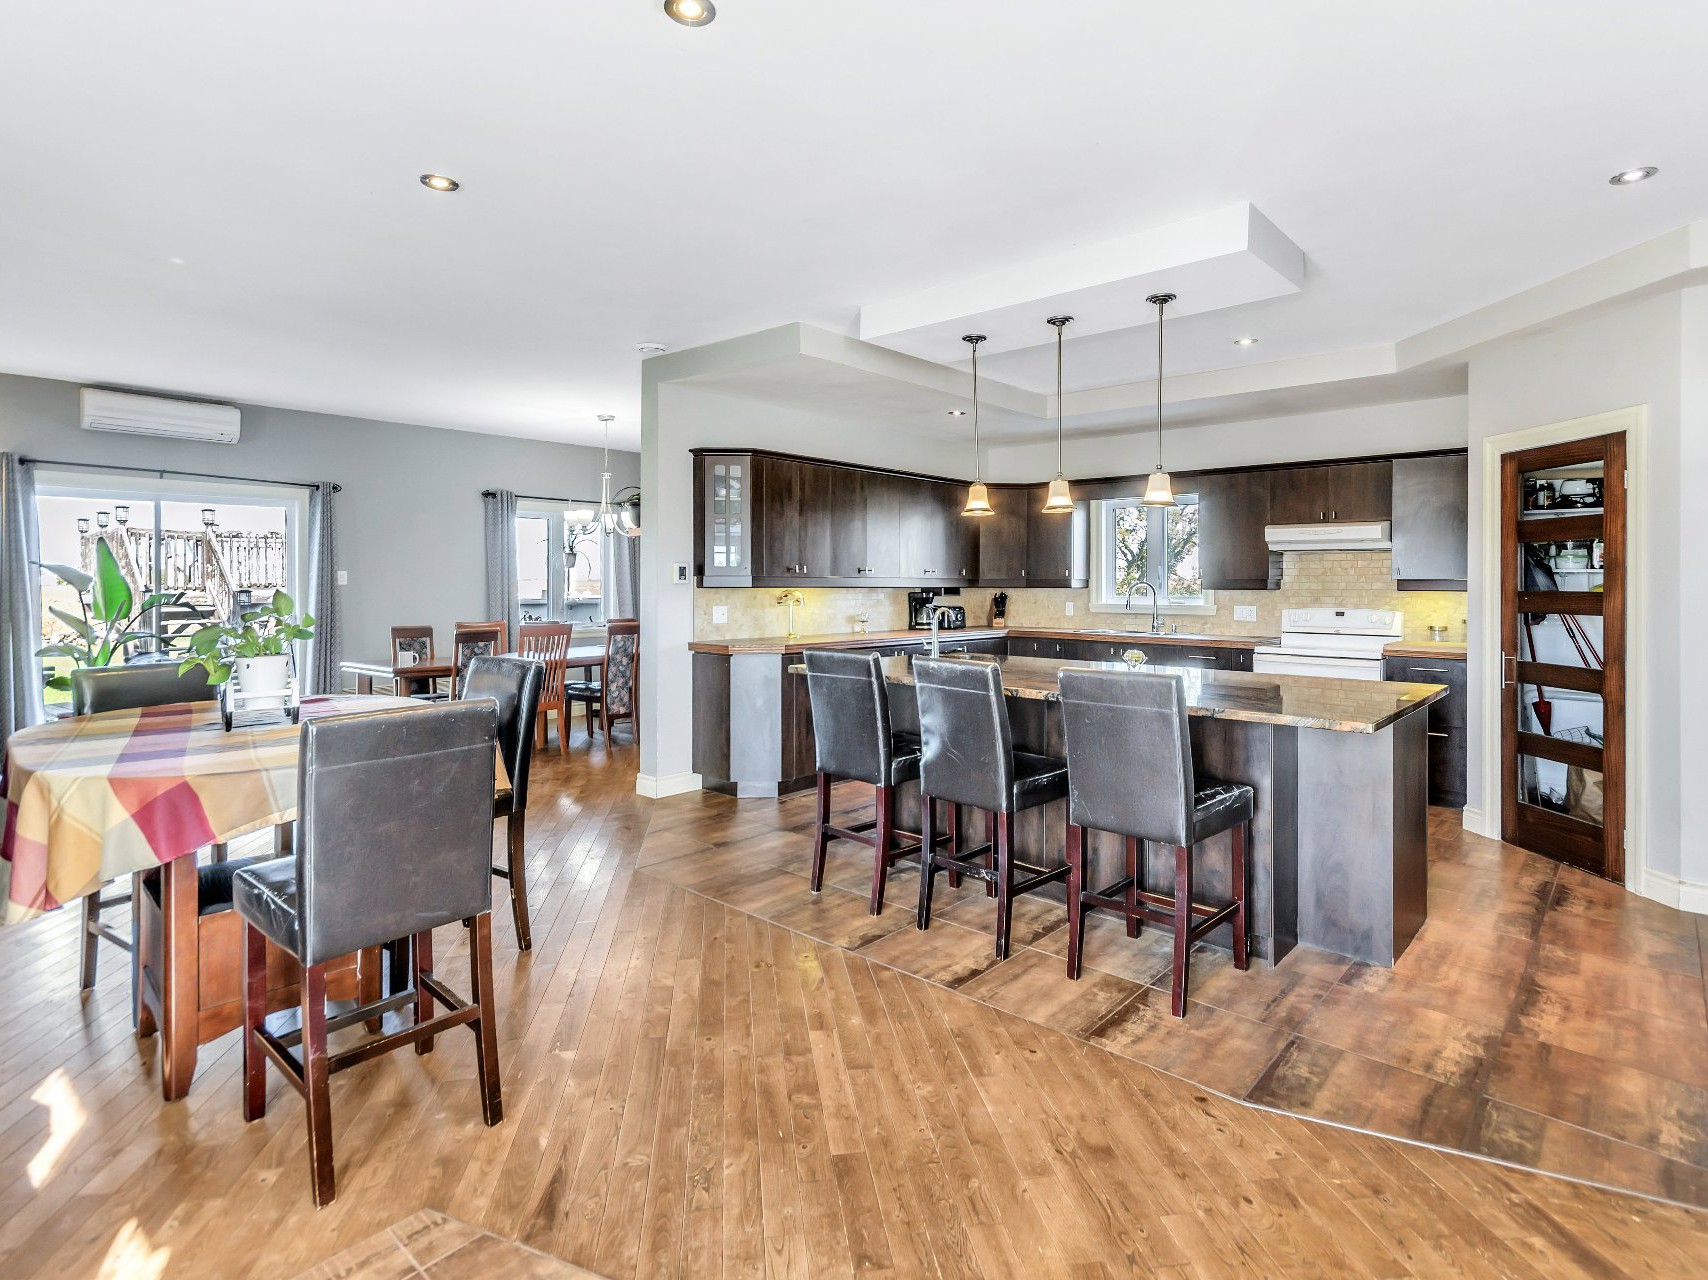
1332,535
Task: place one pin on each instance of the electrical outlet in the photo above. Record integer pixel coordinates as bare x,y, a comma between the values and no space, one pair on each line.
720,615
343,577
1245,613
1070,608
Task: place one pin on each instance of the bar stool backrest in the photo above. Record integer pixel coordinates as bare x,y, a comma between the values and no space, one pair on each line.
514,684
149,684
967,746
394,824
850,715
1129,754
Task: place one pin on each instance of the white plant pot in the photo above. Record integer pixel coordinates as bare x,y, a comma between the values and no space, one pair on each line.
265,675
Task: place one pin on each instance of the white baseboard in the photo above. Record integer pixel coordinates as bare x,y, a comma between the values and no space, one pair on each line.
655,787
1474,821
1663,887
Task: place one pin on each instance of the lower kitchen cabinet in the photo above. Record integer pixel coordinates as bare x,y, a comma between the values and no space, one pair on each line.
1449,736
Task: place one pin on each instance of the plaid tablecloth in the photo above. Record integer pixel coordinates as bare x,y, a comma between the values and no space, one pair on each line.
94,797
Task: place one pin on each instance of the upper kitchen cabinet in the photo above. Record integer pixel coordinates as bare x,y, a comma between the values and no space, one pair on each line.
1233,508
1057,546
723,512
1335,491
795,529
1002,538
939,546
1430,503
882,497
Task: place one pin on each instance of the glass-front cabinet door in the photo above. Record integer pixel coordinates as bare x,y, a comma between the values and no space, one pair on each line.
1563,652
726,510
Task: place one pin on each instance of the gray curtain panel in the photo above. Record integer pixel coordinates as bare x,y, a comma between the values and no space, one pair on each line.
20,636
620,593
502,601
326,650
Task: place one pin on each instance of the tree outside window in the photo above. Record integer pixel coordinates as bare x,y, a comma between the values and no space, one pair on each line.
1158,545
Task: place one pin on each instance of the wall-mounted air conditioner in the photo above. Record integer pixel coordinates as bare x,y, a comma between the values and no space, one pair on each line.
154,416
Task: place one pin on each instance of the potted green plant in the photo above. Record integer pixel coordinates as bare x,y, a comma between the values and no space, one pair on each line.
111,615
256,647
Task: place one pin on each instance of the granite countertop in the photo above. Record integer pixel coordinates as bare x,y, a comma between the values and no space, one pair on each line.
1303,702
875,639
1448,650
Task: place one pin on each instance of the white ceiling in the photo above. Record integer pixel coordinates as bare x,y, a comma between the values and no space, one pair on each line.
626,179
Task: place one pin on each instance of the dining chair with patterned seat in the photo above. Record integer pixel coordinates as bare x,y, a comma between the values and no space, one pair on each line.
411,647
548,643
617,694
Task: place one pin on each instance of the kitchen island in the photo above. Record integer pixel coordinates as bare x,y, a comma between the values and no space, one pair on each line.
1340,772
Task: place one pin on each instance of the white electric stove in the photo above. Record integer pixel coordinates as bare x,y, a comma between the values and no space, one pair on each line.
1343,643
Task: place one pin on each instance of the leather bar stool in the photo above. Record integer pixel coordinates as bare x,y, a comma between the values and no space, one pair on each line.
514,684
1130,772
854,741
363,873
967,757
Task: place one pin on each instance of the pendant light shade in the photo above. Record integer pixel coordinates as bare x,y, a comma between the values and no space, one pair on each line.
1059,500
978,496
1159,492
607,513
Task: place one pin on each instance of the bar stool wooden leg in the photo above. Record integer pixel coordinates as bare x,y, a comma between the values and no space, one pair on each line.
990,855
486,1027
1075,884
1004,887
1242,841
954,827
927,861
515,831
821,837
1182,926
317,1092
422,951
1134,865
886,838
254,1014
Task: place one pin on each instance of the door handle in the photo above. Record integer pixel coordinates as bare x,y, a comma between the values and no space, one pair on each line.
1509,670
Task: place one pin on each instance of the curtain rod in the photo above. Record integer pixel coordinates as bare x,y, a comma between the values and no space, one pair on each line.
534,497
163,472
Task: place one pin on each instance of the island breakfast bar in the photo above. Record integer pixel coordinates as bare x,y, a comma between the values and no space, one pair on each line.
1340,771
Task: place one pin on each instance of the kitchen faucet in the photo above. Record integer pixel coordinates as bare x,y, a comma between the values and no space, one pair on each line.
1156,605
937,612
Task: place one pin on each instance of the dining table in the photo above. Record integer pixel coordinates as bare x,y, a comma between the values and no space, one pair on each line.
89,799
586,658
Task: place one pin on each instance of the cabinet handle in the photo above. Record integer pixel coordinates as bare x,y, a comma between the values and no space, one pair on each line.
1437,671
1509,670
1334,515
1023,573
1322,515
1434,734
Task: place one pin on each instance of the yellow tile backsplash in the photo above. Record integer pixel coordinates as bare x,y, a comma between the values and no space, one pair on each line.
1360,579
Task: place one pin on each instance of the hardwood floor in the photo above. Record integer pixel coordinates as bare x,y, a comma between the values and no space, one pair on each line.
751,1084
1541,1017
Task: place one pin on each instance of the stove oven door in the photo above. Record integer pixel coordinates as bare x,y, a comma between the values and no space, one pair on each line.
1272,662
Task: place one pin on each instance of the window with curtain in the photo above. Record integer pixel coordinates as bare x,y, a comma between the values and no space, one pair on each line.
1132,544
558,564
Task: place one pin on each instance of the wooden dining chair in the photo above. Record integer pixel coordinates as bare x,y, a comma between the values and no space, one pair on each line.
617,694
473,640
496,625
410,647
549,642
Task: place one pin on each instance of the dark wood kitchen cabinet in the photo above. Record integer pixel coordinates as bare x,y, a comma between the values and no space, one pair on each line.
794,519
1002,538
938,545
1449,731
1335,491
1431,523
1057,546
1233,508
881,498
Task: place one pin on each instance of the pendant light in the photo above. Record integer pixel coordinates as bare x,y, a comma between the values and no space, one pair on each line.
1160,491
978,497
607,513
1059,501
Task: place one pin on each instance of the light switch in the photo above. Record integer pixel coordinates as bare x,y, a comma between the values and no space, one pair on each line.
720,614
679,573
1245,613
343,578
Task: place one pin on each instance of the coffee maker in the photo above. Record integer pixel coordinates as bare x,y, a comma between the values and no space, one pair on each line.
919,606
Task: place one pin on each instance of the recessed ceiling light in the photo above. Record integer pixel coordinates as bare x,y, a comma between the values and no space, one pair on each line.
650,349
690,13
1245,342
439,182
1628,177
957,413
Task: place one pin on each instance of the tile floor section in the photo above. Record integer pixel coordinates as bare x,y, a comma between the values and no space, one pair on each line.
1542,1018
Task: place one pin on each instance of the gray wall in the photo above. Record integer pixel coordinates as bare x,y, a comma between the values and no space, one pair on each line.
409,519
